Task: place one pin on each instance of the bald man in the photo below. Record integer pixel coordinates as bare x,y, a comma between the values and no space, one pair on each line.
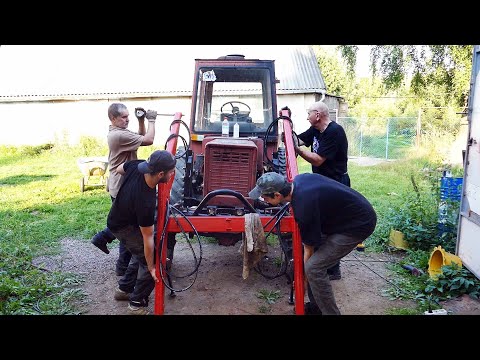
328,144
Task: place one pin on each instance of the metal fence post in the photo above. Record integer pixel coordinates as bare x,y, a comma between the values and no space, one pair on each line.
419,127
386,145
361,135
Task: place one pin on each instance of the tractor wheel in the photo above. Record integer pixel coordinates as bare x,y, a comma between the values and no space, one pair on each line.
176,194
82,184
282,161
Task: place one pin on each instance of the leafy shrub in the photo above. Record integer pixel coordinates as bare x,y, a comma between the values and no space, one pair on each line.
454,281
418,217
29,150
92,146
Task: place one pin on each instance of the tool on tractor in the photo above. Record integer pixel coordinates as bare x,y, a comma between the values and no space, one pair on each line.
214,173
141,112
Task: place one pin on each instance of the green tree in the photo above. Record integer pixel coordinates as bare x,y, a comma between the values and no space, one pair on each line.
440,73
337,79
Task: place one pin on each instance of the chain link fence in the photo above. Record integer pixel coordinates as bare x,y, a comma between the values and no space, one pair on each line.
386,138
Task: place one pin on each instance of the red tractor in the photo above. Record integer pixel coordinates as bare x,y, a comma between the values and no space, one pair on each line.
214,172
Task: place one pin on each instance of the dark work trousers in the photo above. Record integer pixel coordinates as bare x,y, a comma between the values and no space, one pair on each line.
137,279
345,180
124,255
329,252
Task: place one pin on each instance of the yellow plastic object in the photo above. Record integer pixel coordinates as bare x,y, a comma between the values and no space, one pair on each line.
438,258
397,240
361,247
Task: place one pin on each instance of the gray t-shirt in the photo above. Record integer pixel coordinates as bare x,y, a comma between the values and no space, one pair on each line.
123,145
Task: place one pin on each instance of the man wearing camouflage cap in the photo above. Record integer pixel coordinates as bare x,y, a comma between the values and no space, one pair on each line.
333,219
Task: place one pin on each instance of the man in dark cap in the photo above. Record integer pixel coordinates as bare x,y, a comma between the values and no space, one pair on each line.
131,220
332,219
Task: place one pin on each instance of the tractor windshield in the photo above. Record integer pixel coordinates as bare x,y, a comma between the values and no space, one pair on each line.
240,95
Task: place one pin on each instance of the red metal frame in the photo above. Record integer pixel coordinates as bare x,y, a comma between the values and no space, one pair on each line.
224,224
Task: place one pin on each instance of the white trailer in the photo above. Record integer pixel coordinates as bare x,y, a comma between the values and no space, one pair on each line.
468,236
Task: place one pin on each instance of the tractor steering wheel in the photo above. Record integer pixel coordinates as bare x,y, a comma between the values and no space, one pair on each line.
235,109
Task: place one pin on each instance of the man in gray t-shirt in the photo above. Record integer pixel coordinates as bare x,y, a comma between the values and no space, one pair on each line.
123,145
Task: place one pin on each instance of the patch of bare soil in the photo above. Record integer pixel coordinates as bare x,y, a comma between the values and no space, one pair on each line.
219,288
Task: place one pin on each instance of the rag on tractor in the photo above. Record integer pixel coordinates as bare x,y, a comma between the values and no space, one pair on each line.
209,193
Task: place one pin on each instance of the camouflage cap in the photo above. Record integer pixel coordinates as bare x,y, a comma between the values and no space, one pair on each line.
159,160
269,182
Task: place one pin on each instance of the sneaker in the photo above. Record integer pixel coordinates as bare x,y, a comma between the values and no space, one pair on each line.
138,310
100,243
121,295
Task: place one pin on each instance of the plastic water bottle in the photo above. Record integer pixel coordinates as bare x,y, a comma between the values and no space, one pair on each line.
236,130
225,127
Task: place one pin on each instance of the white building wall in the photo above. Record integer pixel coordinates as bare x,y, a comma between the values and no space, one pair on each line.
38,123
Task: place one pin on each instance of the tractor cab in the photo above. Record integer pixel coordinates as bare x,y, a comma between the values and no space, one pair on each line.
239,90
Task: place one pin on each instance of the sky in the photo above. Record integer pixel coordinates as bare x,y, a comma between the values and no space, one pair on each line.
363,61
56,67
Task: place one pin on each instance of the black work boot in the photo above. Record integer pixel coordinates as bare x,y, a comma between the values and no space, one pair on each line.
312,309
108,235
100,242
334,272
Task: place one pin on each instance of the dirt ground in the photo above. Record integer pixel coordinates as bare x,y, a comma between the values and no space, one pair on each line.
219,288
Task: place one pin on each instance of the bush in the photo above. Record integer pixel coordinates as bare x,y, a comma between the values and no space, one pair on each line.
92,146
418,217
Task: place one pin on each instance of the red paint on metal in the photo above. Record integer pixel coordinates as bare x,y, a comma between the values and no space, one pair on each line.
163,197
292,171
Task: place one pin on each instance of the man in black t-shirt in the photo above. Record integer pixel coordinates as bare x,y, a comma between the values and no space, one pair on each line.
131,220
328,152
328,144
332,218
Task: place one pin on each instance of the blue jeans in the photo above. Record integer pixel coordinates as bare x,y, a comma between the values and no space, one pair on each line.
137,279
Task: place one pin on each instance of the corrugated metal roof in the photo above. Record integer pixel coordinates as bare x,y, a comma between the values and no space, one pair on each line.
38,72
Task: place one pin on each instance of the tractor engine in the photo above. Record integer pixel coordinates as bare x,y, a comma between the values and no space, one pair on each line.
230,163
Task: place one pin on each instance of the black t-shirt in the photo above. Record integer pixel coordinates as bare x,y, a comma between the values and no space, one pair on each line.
331,144
325,206
135,201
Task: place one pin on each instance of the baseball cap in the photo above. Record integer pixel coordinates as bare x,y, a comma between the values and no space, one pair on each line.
159,160
269,182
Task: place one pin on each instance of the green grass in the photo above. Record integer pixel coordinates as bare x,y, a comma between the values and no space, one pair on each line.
404,311
42,204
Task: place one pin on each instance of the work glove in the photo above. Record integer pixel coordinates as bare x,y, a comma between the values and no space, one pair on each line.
140,113
151,115
288,109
